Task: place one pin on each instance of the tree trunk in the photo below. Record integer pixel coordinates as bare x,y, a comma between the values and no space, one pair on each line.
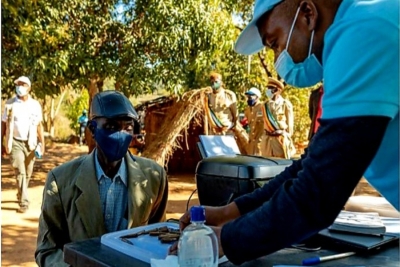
45,115
264,64
54,111
94,88
52,118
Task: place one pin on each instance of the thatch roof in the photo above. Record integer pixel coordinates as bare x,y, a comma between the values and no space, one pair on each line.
178,118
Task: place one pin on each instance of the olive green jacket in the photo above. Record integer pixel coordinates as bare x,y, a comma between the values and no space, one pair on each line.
72,211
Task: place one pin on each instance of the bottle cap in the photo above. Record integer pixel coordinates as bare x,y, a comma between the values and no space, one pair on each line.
197,214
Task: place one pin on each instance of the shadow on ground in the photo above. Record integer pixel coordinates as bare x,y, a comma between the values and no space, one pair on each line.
55,155
18,243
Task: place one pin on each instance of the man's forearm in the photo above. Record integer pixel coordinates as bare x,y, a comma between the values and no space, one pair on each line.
40,133
255,199
3,131
302,206
234,112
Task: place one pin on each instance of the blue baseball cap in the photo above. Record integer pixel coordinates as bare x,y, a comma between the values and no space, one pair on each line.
249,41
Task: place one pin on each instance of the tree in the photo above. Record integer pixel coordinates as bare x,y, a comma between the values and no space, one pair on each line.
142,45
79,103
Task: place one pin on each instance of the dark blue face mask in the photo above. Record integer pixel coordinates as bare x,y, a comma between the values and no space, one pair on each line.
251,102
114,144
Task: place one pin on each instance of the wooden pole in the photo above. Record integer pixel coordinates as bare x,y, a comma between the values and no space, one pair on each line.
205,117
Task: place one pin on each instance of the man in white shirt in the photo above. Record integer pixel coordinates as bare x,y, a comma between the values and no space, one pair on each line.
21,126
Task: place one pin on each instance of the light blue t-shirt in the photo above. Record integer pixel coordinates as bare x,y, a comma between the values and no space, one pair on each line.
361,77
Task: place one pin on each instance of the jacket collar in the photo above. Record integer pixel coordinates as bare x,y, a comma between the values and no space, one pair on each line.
88,203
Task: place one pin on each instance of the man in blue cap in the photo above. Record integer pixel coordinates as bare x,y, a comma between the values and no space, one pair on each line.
106,191
254,115
353,47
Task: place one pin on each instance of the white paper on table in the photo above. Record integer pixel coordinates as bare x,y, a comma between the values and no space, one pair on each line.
392,225
172,261
169,261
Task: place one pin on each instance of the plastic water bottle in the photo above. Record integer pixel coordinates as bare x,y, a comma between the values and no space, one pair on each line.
38,151
198,244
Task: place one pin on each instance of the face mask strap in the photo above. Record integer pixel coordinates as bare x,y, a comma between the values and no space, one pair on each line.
311,41
291,28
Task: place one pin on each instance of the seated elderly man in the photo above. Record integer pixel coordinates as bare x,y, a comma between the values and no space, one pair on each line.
105,191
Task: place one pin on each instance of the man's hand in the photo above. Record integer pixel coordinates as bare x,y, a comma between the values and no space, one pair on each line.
217,231
184,220
216,217
43,149
173,249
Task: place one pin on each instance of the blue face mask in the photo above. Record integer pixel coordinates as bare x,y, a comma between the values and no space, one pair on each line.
114,144
269,94
21,90
251,102
216,85
303,74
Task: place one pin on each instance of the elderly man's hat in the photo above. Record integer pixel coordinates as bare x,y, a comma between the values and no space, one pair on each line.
112,104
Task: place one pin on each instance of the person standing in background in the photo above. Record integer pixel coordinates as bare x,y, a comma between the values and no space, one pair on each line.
22,129
220,108
278,121
315,110
82,120
254,115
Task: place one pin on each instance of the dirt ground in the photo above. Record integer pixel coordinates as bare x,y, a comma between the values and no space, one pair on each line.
19,231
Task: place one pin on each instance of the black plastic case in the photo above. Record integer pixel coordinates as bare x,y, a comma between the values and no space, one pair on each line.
221,179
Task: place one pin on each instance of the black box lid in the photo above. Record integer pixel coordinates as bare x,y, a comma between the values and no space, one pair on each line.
242,166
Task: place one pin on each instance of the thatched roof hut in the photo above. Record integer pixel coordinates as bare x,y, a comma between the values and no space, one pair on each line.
173,126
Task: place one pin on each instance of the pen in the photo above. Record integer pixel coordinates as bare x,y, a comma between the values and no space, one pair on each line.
316,260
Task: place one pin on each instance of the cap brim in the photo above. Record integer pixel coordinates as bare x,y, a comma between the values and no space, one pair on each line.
18,80
249,41
23,81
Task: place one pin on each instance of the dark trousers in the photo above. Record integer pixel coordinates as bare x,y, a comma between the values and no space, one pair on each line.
81,134
22,161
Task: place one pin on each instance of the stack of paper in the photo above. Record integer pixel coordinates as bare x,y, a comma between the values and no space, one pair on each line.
359,222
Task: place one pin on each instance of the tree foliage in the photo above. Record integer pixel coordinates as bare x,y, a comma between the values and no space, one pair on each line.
74,111
141,45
